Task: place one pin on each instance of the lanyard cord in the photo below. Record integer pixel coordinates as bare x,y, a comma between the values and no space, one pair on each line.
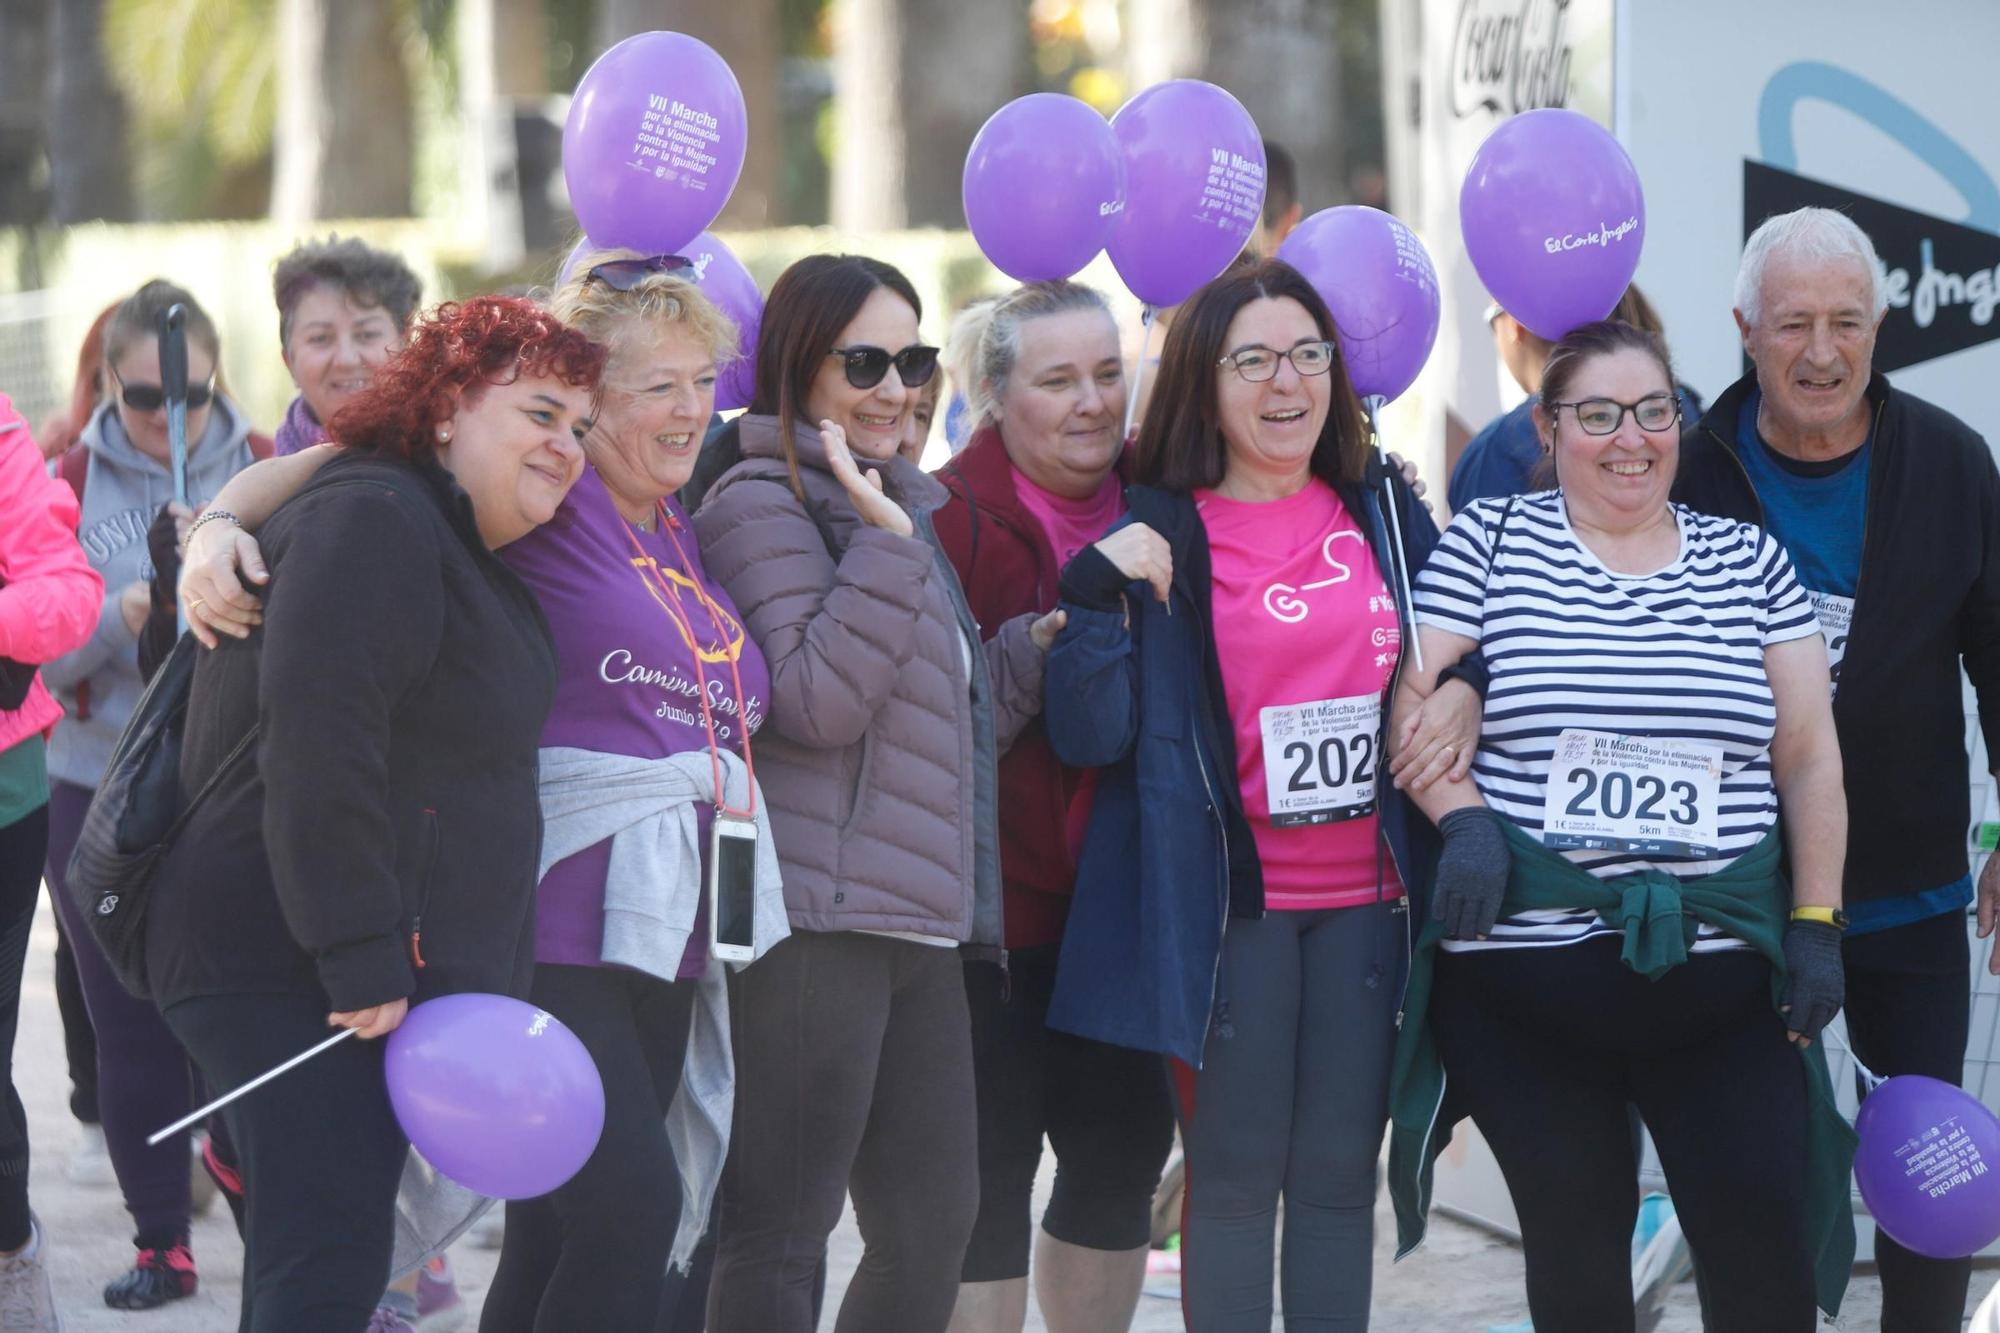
657,584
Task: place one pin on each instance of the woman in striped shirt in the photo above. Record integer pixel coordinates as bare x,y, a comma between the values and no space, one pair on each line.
1610,896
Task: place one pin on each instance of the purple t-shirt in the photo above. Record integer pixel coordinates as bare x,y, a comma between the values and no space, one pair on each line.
627,681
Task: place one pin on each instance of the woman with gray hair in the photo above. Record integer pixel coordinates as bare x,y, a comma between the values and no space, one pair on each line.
1044,384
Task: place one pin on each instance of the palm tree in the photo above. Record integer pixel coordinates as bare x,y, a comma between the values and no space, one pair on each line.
89,171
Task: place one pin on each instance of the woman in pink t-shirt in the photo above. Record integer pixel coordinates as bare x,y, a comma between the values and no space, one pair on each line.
1241,902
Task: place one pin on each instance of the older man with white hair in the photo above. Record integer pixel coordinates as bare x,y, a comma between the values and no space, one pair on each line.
1889,507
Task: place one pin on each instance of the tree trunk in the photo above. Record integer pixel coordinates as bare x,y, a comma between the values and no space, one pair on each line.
344,144
90,171
913,82
24,64
1282,60
746,34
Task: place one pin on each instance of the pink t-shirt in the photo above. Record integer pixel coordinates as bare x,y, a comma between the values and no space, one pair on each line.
1307,638
1071,525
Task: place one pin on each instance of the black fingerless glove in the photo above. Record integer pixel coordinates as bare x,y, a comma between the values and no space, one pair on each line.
1816,981
1472,872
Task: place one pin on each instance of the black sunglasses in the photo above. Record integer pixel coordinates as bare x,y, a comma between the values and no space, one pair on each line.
622,275
151,397
866,366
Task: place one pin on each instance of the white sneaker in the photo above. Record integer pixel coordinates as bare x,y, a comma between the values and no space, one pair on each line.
27,1305
90,1162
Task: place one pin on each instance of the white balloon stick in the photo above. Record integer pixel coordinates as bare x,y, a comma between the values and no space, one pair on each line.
197,1116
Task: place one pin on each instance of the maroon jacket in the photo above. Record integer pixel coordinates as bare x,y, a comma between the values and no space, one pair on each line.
1007,567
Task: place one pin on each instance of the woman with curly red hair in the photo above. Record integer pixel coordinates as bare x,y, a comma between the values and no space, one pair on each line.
369,839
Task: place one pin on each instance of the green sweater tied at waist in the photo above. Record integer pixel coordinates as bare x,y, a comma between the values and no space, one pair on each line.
1659,915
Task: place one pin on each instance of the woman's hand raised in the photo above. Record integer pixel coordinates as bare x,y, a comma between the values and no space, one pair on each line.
864,489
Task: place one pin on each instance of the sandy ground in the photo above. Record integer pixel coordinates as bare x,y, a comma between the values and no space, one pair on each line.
1464,1278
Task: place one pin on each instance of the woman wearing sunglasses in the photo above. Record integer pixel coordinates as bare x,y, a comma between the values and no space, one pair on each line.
854,1064
1613,920
1241,893
127,482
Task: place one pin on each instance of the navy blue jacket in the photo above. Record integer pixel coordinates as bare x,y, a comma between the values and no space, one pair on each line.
1168,853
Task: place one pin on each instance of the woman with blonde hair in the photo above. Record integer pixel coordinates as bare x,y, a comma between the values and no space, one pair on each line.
648,743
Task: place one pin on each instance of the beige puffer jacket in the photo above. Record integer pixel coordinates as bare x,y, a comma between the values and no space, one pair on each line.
879,756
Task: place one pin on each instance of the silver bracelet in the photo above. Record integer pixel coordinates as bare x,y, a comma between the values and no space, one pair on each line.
204,517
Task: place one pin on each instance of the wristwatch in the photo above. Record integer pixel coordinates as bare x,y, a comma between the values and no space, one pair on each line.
1828,916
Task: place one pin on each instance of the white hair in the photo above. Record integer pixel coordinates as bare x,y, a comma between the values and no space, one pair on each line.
985,340
1813,234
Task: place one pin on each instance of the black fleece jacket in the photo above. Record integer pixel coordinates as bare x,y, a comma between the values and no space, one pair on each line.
1928,596
387,810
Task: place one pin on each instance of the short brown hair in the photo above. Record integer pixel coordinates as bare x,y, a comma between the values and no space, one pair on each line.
138,318
1180,442
370,277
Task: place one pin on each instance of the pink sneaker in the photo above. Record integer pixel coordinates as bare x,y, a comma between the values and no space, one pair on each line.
440,1309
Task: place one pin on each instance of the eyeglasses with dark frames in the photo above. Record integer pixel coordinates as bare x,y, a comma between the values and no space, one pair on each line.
866,366
1258,364
622,275
1603,416
151,397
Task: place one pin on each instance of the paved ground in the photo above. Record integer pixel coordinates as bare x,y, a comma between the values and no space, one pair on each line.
1464,1279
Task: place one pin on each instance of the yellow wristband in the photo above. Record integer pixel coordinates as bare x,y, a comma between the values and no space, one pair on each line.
1828,916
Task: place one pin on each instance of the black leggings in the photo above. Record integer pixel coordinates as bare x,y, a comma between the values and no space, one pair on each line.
22,846
1106,1110
1547,1046
853,1076
321,1155
1909,1010
594,1253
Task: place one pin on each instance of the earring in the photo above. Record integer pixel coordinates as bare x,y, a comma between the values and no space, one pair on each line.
444,435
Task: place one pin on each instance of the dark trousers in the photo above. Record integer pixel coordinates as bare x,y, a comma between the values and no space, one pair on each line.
79,1038
1290,1103
593,1254
321,1155
143,1075
853,1075
1909,1011
1106,1111
1546,1047
22,846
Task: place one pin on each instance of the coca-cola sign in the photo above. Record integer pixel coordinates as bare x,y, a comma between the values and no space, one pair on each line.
1509,56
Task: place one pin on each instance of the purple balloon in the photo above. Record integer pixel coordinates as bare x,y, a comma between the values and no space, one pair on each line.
1553,219
1043,186
1929,1166
1376,278
496,1094
1194,187
723,280
654,143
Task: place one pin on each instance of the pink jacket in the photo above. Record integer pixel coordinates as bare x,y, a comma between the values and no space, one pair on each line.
50,600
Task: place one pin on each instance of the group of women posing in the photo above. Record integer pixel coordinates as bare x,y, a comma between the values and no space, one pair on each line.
1071,756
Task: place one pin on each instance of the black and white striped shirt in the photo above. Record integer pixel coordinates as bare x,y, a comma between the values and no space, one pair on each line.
1677,653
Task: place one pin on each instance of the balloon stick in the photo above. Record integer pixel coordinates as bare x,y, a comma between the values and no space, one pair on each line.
1398,564
1139,372
193,1117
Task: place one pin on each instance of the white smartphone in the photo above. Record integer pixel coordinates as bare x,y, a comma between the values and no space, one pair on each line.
732,888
